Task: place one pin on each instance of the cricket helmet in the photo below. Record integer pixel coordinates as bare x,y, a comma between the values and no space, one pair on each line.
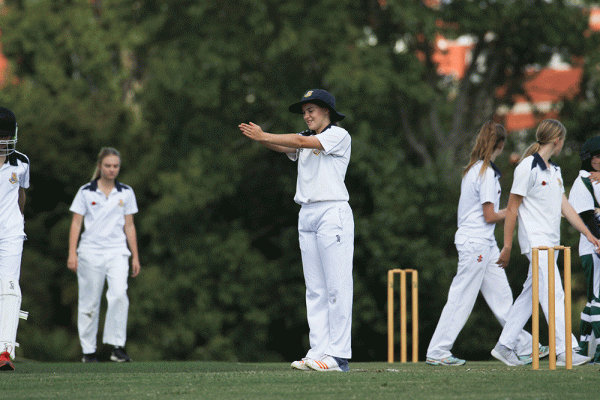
8,132
589,149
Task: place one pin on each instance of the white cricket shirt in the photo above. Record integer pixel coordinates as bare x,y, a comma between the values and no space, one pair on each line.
476,190
581,199
321,173
14,174
104,217
539,214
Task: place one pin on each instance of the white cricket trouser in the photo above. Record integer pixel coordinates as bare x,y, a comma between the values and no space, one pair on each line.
520,312
477,271
326,231
93,269
11,250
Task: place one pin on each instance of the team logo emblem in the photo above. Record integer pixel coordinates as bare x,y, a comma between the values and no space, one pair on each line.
13,178
316,152
93,203
480,258
559,181
543,183
308,94
121,204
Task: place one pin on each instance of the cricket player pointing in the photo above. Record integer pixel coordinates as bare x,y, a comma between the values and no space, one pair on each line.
325,226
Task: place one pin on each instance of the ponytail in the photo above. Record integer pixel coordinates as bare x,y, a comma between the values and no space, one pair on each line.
547,131
490,137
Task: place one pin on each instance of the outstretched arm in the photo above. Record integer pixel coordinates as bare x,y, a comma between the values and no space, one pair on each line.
286,143
514,201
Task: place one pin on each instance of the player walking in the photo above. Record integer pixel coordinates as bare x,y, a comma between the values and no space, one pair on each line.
14,179
106,206
537,197
325,226
478,212
584,199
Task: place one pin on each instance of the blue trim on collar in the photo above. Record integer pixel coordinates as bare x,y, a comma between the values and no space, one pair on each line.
327,127
538,160
496,170
93,186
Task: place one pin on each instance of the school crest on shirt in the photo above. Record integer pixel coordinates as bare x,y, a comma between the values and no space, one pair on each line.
121,204
13,178
559,182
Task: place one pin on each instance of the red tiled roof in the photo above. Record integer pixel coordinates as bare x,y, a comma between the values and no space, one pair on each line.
552,85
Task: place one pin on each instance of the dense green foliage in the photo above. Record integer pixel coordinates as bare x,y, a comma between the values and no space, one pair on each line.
167,82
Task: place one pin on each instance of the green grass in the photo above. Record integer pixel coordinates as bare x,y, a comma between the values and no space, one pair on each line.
224,380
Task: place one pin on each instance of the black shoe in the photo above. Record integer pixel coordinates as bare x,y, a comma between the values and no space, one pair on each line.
89,358
119,355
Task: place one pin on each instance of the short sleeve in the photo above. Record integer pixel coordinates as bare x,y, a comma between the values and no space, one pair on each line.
78,205
522,178
335,141
131,207
24,181
580,197
487,189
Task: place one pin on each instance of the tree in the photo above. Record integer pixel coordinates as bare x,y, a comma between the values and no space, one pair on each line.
168,82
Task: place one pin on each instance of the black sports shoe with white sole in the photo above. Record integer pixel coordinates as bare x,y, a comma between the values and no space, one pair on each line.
119,355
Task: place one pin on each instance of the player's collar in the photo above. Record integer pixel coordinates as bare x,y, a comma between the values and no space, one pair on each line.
93,186
496,169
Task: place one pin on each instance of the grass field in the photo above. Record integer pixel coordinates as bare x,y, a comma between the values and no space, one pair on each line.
224,380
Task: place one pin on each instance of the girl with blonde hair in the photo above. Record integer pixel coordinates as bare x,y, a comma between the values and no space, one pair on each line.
478,212
106,207
537,198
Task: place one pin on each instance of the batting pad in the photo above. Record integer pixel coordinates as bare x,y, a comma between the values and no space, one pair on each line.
10,304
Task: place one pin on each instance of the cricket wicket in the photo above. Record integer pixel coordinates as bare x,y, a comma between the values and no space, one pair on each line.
535,313
415,314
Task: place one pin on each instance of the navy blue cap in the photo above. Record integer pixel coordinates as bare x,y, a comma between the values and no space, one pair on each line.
319,97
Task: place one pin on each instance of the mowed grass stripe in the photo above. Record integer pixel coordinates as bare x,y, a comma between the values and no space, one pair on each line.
227,380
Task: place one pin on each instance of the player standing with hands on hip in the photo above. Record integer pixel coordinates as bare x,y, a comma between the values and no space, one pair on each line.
106,207
478,212
325,225
14,179
537,198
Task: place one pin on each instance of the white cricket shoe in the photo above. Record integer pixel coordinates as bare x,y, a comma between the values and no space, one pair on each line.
325,363
578,359
506,355
301,364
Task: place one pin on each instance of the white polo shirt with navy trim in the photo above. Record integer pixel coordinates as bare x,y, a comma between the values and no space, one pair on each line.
104,217
475,191
542,189
321,173
14,174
